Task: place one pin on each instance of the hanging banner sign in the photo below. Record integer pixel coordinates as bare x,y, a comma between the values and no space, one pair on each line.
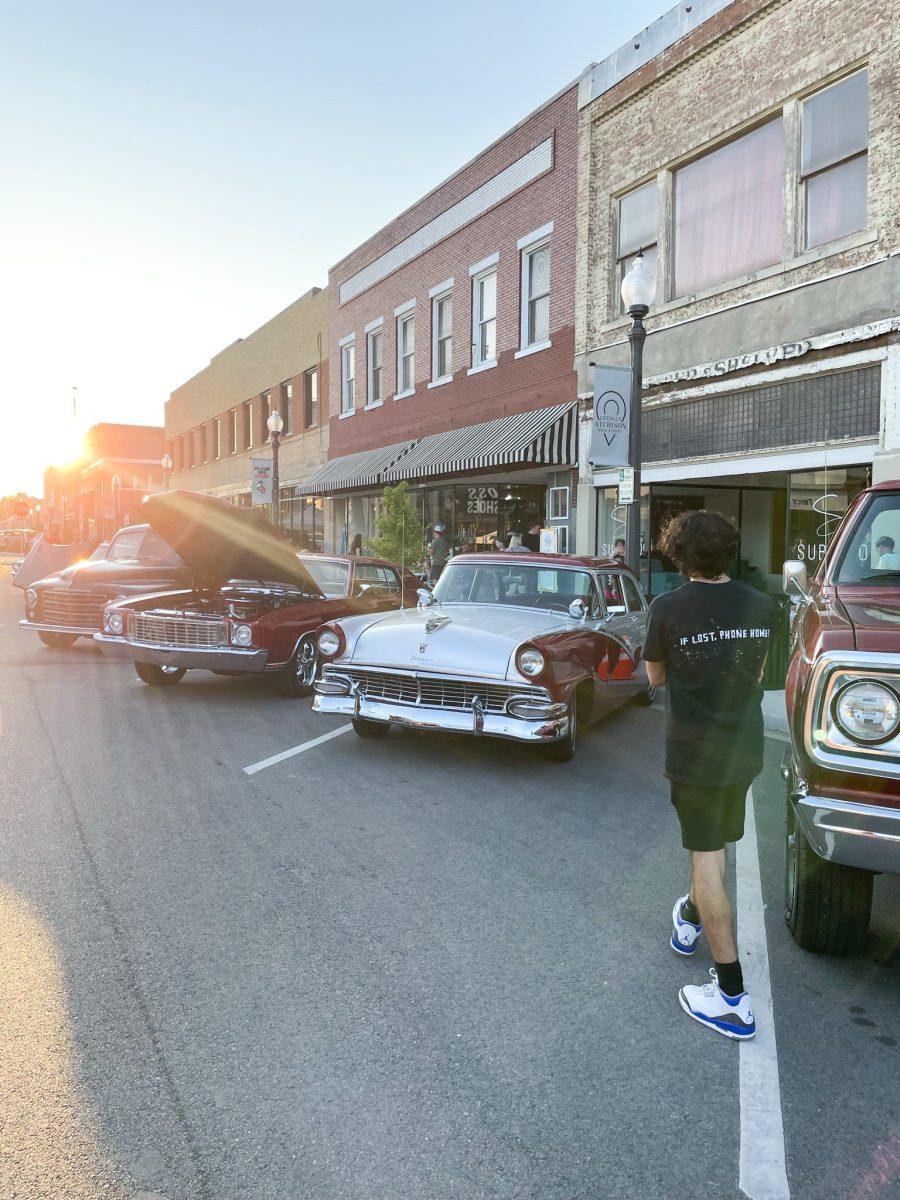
612,407
261,480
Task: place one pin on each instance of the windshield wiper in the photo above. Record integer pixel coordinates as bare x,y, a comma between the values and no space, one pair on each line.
879,575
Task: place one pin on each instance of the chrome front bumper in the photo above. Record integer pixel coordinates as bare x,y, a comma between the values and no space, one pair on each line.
46,627
549,727
857,835
204,658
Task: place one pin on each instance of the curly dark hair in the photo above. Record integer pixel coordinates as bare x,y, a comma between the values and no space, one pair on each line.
700,543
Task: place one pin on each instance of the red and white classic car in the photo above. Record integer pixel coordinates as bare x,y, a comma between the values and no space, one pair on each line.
524,646
254,605
843,706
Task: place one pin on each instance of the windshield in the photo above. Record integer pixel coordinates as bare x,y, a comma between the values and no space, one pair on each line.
331,576
142,545
522,585
872,553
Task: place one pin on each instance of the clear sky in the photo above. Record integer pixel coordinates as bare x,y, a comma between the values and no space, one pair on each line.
174,174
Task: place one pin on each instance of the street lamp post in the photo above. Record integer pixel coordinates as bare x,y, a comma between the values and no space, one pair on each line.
166,464
275,425
638,291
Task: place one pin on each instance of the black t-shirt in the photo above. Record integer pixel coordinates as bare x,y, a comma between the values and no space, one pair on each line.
713,638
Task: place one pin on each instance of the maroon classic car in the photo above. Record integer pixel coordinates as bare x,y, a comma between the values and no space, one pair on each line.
254,605
524,646
843,704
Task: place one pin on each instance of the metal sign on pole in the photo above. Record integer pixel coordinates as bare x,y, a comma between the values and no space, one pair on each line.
261,480
626,485
612,411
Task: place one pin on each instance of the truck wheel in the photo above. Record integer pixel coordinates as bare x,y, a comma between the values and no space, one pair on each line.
563,750
370,729
826,905
159,676
298,676
57,641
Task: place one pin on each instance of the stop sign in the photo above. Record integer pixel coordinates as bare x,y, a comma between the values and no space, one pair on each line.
20,509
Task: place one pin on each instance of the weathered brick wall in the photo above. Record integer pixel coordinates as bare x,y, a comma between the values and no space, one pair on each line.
732,71
515,385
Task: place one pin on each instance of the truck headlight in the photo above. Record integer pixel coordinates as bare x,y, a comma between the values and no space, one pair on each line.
115,623
867,712
31,598
241,635
530,661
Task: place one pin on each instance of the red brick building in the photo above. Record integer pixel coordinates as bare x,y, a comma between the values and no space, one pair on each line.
451,335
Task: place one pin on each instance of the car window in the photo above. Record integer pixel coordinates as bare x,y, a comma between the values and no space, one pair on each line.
633,599
125,547
368,576
524,585
332,577
872,553
155,549
611,583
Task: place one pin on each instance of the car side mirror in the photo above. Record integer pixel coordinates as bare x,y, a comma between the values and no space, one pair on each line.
425,597
578,610
794,577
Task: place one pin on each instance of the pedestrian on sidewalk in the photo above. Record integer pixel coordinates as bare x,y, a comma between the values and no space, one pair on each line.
707,641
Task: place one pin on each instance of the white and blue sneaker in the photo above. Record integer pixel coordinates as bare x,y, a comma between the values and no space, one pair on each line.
684,933
728,1015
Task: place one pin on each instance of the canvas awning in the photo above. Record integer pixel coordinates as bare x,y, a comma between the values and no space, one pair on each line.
363,469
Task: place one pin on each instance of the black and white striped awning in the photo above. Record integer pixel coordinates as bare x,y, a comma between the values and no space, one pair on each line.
366,468
546,437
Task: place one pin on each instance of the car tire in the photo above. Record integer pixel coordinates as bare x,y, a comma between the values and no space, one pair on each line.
827,906
370,729
645,697
564,750
57,641
156,676
297,678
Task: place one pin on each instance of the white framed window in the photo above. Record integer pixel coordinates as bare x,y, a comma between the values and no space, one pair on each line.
637,230
375,366
348,377
216,438
406,354
535,328
562,539
484,318
442,337
232,431
834,160
558,504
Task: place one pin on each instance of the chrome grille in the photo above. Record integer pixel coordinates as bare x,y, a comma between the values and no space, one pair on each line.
434,691
176,631
71,608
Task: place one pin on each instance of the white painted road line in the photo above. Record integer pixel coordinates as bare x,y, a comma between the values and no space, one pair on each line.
763,1174
277,758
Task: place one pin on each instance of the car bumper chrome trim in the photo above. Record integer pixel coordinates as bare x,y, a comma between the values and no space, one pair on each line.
220,658
46,627
476,720
856,835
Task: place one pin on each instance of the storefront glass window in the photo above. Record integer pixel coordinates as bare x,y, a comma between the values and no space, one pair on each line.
818,500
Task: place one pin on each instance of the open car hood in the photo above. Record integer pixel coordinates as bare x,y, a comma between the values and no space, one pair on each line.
221,541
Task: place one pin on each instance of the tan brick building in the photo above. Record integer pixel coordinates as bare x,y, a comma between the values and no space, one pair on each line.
216,422
752,149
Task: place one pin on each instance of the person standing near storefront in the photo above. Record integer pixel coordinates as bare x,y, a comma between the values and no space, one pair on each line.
707,641
438,552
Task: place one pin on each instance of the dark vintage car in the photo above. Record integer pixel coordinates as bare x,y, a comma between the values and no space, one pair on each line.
254,605
843,706
524,646
68,604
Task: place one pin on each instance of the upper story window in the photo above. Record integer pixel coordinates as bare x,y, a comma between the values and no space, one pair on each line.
484,317
406,352
201,444
536,295
265,407
247,423
442,336
285,404
728,210
834,160
311,398
216,439
636,231
232,431
375,360
348,378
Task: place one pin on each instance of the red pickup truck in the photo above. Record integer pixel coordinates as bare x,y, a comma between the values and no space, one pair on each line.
843,705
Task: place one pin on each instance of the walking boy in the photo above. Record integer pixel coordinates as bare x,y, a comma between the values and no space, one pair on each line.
707,641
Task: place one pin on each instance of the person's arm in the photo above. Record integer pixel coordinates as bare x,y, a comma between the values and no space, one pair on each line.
654,649
656,672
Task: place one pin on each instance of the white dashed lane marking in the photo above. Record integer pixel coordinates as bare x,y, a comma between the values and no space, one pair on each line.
763,1174
277,758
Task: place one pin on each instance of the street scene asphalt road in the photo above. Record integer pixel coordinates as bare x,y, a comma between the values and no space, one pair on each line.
423,967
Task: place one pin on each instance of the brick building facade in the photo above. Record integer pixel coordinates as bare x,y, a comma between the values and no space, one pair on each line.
452,344
756,162
216,422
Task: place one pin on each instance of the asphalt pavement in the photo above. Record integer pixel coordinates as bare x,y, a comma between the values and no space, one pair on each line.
421,968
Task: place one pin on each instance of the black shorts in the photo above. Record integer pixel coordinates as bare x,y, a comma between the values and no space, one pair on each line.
709,816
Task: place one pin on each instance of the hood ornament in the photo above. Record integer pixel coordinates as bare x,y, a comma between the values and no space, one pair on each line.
436,622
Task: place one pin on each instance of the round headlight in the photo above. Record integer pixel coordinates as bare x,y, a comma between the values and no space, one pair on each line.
242,635
868,712
530,662
115,622
329,643
31,597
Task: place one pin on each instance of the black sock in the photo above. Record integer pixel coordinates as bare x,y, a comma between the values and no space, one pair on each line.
731,977
689,912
